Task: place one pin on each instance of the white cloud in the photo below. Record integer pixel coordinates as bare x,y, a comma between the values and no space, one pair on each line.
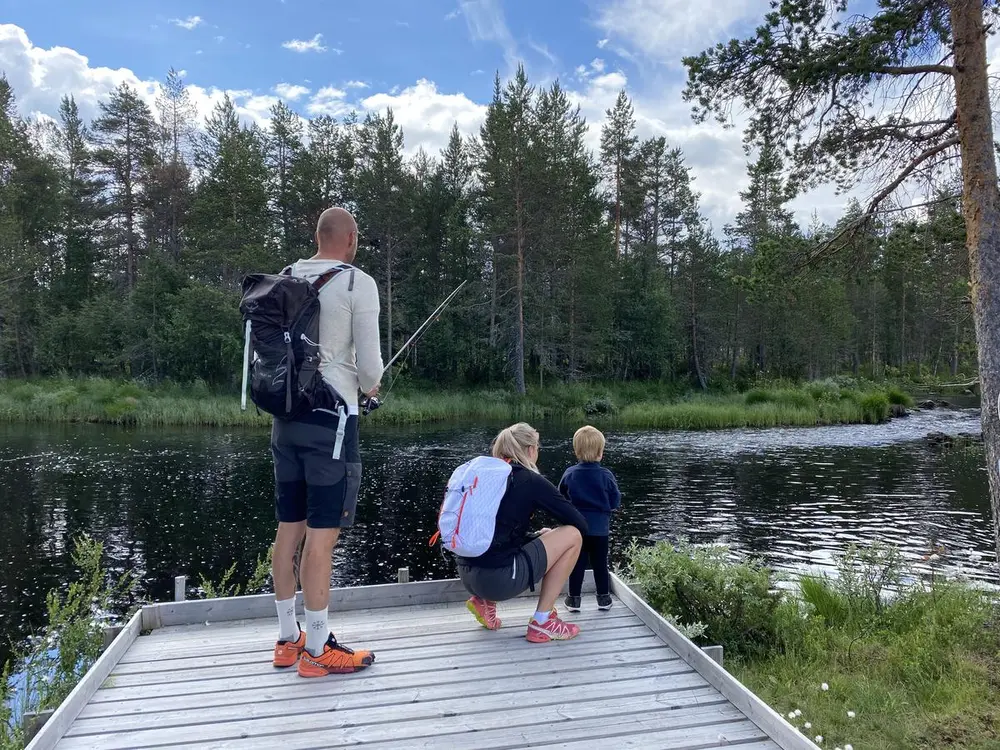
403,24
453,15
597,64
356,85
220,39
328,101
312,45
664,30
602,43
188,23
426,115
486,23
291,91
544,51
40,78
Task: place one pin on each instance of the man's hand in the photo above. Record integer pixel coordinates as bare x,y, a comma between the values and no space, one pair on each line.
546,530
374,391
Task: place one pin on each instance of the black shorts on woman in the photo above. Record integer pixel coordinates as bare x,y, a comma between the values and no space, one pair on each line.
516,560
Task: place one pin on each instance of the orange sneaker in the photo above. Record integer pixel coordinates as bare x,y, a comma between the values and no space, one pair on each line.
335,659
286,653
553,629
485,612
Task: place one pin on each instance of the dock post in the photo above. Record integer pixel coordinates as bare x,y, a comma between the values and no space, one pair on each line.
110,633
403,575
32,722
180,585
714,653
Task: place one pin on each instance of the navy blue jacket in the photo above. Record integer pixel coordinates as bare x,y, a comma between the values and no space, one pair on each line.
594,492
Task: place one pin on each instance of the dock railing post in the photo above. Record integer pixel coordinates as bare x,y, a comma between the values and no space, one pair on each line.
403,575
714,653
180,586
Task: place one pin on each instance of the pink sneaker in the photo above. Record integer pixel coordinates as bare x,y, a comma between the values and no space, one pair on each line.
554,629
485,612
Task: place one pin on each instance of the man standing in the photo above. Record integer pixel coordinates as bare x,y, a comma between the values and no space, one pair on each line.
317,464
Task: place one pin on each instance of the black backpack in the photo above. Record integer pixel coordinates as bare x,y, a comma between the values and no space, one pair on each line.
281,348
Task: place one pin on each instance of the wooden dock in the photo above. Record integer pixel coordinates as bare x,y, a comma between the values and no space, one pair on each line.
202,678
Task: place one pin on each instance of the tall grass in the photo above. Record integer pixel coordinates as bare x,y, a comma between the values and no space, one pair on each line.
640,405
862,659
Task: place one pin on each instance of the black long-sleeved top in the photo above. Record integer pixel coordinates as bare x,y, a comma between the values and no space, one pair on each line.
526,493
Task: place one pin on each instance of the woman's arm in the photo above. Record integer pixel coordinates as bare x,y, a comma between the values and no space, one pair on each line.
548,498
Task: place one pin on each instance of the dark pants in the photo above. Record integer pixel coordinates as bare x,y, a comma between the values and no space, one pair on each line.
596,548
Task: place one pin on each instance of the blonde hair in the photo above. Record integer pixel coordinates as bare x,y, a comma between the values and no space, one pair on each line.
513,443
588,444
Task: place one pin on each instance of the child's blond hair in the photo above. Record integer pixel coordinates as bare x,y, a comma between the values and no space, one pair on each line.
588,444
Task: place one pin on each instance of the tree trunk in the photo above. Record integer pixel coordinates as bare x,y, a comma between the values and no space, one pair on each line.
695,360
618,207
981,209
388,297
493,295
519,333
736,339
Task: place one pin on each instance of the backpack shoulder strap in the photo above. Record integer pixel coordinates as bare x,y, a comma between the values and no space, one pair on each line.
335,271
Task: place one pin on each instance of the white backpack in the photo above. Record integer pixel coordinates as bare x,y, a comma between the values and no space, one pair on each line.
469,512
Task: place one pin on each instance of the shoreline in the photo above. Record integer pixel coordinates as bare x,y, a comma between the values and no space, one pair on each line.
624,405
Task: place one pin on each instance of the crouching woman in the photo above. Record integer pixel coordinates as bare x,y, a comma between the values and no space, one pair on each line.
517,560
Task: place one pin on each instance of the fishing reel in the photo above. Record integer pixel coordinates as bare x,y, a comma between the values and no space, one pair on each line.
369,404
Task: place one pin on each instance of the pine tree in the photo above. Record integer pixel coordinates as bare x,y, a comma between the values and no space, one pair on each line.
124,135
286,169
618,145
170,190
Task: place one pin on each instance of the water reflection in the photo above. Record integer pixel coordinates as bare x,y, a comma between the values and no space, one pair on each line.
168,502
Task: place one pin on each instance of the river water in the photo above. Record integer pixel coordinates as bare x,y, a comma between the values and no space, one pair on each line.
170,502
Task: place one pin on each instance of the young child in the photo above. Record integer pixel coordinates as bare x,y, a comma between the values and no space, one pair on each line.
593,490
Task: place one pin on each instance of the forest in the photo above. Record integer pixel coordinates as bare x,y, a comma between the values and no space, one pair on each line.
124,241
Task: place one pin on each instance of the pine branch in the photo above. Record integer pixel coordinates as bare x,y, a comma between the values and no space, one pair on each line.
913,70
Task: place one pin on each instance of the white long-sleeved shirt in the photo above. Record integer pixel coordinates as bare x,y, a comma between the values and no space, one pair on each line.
350,356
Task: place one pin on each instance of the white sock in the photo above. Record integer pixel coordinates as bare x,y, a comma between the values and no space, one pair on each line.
542,617
317,630
288,627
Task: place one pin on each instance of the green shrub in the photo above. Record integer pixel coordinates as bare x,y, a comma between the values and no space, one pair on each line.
898,397
599,406
757,396
735,601
875,407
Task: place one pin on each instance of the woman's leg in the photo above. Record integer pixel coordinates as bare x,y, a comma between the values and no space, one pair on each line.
562,548
597,549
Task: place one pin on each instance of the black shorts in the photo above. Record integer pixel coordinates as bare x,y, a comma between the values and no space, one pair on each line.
501,584
312,482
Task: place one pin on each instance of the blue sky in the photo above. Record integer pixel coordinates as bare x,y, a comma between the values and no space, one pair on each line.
432,61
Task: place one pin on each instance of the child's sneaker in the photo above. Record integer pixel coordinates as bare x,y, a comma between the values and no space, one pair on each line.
485,612
573,603
604,602
553,629
335,659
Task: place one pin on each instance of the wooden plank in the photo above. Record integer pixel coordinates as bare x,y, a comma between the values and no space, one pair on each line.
676,690
381,596
460,670
398,661
676,674
402,723
290,685
479,646
262,634
74,703
774,725
669,741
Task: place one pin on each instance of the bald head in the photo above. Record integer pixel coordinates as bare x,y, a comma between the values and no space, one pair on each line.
337,235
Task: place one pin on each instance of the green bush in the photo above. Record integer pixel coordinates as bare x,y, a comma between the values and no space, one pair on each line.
875,407
898,397
735,601
601,405
757,396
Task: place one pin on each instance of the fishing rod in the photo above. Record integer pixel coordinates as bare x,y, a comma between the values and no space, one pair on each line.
371,403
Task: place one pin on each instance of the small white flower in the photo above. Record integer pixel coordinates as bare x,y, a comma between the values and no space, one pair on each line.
851,714
848,747
934,558
808,725
824,687
791,714
819,739
798,712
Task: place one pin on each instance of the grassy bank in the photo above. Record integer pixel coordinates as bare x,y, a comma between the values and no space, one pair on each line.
626,404
840,658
